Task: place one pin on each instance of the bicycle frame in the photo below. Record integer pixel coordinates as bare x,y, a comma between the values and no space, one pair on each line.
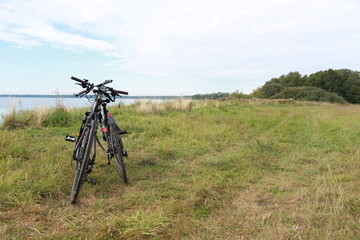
99,114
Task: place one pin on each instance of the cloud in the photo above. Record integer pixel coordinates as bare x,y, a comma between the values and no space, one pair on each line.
190,39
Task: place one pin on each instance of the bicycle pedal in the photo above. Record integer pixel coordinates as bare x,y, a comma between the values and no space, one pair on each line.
92,181
124,153
70,138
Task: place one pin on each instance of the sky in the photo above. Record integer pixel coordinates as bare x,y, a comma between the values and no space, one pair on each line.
168,47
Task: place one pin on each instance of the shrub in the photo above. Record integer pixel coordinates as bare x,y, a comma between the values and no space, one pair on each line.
58,118
343,82
268,90
309,94
239,95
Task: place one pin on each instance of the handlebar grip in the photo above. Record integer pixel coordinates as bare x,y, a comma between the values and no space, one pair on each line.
121,92
80,93
77,79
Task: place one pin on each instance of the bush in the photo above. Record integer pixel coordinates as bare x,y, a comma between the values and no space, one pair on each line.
309,94
268,90
239,95
58,118
342,82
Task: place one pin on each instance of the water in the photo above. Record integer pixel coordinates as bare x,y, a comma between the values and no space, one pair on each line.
27,103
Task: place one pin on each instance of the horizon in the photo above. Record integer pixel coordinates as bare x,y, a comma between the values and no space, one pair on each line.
73,96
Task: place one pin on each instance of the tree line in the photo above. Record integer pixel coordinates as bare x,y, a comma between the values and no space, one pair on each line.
336,86
210,96
339,86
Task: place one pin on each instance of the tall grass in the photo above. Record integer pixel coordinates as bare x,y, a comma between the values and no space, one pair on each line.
48,117
262,101
18,119
156,107
9,119
61,116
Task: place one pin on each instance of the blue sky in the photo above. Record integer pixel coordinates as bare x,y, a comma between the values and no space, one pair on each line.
168,47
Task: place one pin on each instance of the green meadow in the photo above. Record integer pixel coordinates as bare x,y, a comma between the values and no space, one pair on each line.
241,169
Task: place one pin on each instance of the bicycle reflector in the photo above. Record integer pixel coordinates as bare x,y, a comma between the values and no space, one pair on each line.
70,138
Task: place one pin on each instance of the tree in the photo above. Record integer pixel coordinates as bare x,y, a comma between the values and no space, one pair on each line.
343,82
309,94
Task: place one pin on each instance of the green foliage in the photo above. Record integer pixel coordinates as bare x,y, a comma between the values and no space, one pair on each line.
58,118
210,96
330,80
352,89
309,94
276,85
239,95
269,89
293,79
343,82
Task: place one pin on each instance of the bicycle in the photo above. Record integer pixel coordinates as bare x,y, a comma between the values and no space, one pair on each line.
85,145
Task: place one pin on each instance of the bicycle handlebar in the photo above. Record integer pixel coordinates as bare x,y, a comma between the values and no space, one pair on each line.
120,92
106,82
80,94
89,86
77,79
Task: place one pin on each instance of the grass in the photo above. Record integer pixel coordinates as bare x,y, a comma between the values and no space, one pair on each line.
197,170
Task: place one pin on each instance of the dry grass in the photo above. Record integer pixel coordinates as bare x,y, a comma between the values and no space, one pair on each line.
40,114
150,106
36,117
9,119
275,208
262,101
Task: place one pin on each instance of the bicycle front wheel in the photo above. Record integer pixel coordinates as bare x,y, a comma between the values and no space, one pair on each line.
118,151
82,156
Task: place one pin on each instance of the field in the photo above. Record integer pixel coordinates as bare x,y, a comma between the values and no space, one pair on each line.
209,170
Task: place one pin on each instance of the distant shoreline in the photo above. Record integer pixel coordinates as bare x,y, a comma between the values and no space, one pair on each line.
72,96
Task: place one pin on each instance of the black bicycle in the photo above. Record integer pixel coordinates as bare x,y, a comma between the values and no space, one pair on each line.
85,145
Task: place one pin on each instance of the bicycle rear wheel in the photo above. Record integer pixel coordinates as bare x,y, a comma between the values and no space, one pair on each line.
82,156
118,151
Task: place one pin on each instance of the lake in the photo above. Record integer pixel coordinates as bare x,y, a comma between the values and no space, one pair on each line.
25,103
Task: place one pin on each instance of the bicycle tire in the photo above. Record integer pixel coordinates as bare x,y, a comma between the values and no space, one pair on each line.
118,151
81,166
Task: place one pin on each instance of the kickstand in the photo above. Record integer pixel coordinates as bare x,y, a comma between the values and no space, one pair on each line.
108,162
